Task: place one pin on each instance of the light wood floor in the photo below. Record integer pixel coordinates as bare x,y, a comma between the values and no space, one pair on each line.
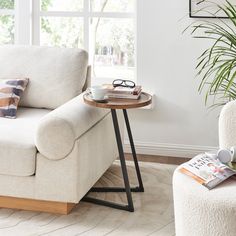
158,159
153,214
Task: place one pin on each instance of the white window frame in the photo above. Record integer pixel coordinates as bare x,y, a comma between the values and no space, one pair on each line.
10,12
27,22
23,16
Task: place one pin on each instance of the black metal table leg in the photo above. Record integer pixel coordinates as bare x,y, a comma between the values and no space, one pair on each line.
127,188
140,188
122,160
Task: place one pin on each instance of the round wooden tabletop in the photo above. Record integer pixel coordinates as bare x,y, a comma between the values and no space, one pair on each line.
145,99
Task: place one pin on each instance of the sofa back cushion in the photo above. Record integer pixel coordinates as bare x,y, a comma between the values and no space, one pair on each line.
56,74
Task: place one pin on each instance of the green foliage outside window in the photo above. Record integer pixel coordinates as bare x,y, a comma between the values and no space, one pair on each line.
6,23
7,4
45,4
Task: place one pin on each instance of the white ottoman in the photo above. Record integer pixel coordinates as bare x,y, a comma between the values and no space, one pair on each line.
203,212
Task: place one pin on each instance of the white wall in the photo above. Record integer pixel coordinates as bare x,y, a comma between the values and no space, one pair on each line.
179,124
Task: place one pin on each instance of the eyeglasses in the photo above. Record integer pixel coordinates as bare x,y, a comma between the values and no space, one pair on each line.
123,83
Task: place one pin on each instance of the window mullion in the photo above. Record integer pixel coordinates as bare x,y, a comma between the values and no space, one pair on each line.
23,22
7,12
86,25
61,13
112,14
36,22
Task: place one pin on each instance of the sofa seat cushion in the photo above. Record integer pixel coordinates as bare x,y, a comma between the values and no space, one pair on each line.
17,148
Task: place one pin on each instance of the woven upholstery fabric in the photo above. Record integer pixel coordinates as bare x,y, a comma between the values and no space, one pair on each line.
56,74
10,94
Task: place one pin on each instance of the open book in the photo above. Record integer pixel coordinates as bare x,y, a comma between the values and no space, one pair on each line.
207,170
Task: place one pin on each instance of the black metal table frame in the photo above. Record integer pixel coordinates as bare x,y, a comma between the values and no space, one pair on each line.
127,188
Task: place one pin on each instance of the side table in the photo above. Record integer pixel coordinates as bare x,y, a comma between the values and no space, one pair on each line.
124,104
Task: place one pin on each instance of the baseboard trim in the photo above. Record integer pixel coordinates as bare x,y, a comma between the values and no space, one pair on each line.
167,149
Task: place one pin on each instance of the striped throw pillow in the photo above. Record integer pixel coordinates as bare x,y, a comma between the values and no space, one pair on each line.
10,93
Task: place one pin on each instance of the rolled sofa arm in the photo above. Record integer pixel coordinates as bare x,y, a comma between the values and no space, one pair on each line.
227,125
58,130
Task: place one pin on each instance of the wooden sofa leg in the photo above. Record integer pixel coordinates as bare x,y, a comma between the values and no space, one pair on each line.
63,208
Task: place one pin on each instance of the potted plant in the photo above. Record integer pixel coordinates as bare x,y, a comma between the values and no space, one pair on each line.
217,64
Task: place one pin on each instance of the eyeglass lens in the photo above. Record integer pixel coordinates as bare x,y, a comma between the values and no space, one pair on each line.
129,83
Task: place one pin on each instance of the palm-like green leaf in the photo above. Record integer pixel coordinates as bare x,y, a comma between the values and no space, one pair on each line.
217,64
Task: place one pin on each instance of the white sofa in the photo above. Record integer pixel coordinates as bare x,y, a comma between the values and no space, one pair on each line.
57,147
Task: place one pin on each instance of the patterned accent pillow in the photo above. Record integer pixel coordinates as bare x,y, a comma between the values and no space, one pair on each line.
10,93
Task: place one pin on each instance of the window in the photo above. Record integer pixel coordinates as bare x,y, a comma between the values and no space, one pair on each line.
7,27
105,28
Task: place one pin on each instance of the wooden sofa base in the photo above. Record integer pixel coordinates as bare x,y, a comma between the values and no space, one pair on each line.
63,208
